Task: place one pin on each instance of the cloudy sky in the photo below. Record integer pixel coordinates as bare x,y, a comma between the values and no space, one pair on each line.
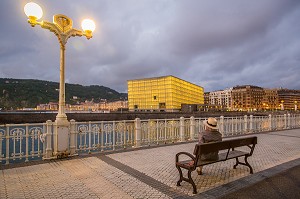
216,44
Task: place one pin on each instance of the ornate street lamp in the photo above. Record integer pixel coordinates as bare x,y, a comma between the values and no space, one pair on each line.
62,28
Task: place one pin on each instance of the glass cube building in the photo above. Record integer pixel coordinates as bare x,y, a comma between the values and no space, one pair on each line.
165,93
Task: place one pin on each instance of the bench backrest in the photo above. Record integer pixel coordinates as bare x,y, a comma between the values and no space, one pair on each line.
222,145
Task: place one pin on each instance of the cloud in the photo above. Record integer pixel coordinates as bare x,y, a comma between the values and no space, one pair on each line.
215,44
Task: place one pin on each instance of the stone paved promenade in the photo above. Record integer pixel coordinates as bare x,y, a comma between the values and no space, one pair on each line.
147,173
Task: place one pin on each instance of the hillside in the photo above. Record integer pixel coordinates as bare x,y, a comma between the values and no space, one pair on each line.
17,93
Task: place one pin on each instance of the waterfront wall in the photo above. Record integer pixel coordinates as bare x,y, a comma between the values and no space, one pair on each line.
41,117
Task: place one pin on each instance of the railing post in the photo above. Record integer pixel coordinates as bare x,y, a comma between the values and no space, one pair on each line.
270,122
289,121
124,134
102,135
90,137
221,125
158,136
181,129
48,140
7,144
285,121
293,121
27,143
114,135
138,132
165,131
192,128
72,138
1,144
236,125
251,123
245,124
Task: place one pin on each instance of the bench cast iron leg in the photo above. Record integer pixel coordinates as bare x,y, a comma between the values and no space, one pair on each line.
246,164
192,182
180,174
236,163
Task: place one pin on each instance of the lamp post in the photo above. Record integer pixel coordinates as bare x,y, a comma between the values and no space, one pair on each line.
282,106
62,28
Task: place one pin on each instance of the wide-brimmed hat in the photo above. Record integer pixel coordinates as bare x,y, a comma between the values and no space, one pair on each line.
211,123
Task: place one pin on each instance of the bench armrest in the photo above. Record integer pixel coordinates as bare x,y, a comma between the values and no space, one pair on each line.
185,153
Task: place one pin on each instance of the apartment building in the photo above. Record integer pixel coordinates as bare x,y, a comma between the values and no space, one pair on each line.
288,99
247,98
206,98
221,99
270,99
88,106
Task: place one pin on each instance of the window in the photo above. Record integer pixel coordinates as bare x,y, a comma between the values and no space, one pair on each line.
162,105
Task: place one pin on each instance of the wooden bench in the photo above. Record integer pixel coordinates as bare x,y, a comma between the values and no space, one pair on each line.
200,149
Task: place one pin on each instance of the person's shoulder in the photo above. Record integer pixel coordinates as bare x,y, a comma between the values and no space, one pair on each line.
204,132
216,132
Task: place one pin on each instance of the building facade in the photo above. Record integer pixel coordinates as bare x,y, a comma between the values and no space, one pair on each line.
166,93
88,106
247,98
206,98
288,99
221,99
270,100
253,98
51,106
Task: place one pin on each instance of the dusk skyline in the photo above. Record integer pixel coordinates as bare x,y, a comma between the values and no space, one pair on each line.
214,44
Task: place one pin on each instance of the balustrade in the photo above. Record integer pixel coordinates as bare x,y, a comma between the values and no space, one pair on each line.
24,142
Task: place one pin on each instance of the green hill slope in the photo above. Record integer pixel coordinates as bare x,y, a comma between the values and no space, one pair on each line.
18,93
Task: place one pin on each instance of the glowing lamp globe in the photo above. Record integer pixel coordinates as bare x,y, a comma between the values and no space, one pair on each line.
88,25
33,10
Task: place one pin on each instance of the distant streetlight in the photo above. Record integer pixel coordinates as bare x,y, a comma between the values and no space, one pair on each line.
281,105
62,28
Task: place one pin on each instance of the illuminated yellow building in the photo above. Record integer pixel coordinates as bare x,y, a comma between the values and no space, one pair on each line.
165,93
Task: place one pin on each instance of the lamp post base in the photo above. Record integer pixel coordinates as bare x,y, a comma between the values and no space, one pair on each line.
61,136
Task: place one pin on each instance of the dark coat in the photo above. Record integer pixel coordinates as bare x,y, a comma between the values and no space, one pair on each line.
206,137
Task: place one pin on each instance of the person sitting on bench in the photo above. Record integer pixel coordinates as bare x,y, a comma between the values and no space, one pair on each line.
210,134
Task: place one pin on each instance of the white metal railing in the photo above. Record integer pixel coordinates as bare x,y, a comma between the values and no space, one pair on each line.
159,131
102,136
21,142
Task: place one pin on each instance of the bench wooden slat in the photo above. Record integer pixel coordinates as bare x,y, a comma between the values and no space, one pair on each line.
222,157
226,144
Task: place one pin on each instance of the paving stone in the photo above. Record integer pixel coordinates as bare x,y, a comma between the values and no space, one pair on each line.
148,173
